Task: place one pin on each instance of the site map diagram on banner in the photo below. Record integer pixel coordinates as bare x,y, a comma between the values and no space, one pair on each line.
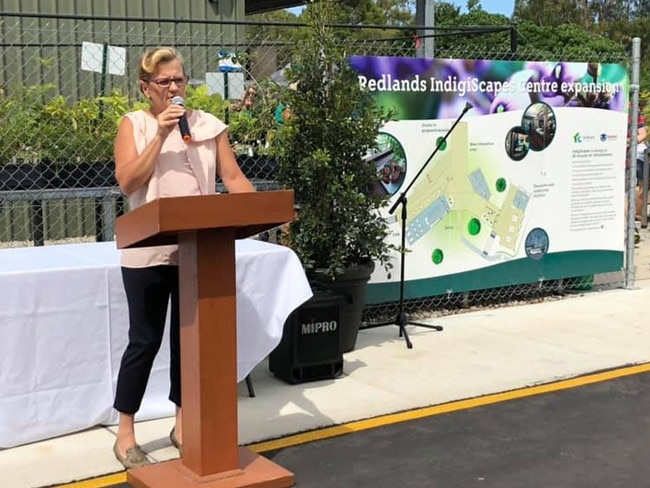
529,184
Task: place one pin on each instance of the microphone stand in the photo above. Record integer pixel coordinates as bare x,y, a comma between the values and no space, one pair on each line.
402,320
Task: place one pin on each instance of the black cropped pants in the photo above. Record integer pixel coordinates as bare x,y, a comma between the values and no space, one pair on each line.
148,292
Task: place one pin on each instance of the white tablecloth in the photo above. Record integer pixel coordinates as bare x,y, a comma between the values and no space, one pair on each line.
64,322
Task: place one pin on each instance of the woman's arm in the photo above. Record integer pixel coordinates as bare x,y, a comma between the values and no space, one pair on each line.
133,170
231,174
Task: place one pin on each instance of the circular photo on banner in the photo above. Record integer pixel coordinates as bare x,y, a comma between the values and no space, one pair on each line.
536,244
389,160
539,123
517,143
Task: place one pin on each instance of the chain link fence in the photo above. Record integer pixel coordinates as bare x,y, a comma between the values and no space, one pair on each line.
65,82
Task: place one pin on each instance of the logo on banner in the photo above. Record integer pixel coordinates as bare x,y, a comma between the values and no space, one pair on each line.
579,138
608,137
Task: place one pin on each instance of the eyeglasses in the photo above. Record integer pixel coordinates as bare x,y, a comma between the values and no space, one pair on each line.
166,82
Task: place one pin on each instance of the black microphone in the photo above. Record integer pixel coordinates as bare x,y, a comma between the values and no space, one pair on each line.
182,122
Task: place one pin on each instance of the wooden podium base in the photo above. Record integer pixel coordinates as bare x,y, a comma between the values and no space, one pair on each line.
255,472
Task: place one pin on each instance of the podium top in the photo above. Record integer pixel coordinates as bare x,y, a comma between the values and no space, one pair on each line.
160,221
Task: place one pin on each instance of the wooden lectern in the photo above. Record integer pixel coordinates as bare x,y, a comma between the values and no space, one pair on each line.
205,228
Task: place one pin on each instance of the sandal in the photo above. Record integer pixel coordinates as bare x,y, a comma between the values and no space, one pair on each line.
174,441
135,457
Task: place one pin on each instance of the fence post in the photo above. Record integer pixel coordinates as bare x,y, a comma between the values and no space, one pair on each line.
425,16
108,218
631,183
37,223
514,39
644,190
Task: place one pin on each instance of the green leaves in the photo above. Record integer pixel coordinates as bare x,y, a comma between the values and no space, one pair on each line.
199,98
40,126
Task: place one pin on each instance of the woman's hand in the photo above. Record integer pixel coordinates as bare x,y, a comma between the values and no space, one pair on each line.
168,118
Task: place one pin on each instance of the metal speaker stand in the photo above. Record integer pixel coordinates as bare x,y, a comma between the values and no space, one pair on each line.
402,320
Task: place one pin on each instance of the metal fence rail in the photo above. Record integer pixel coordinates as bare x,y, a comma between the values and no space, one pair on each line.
58,118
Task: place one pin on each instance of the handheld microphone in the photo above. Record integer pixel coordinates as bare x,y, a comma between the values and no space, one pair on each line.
182,122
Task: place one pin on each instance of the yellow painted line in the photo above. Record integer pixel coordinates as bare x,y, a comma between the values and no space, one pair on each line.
395,418
384,420
112,479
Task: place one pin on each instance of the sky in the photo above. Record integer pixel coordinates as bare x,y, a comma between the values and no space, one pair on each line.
504,7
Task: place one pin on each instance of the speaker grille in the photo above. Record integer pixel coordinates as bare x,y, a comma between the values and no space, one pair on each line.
310,348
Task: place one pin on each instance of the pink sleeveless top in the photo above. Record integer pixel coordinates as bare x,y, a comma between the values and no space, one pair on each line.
182,169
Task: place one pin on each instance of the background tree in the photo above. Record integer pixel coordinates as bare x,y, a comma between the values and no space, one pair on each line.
378,12
553,12
270,32
473,5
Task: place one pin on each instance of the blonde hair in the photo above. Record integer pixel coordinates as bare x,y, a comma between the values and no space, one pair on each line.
153,57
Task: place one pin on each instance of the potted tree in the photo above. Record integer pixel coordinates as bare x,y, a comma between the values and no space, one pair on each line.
322,149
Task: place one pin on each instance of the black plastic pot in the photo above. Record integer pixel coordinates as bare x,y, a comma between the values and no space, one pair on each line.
45,175
25,176
86,175
352,286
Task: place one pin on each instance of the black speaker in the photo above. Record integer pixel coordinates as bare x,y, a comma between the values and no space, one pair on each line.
310,348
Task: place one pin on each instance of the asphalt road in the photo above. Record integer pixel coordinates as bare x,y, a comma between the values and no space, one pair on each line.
590,436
